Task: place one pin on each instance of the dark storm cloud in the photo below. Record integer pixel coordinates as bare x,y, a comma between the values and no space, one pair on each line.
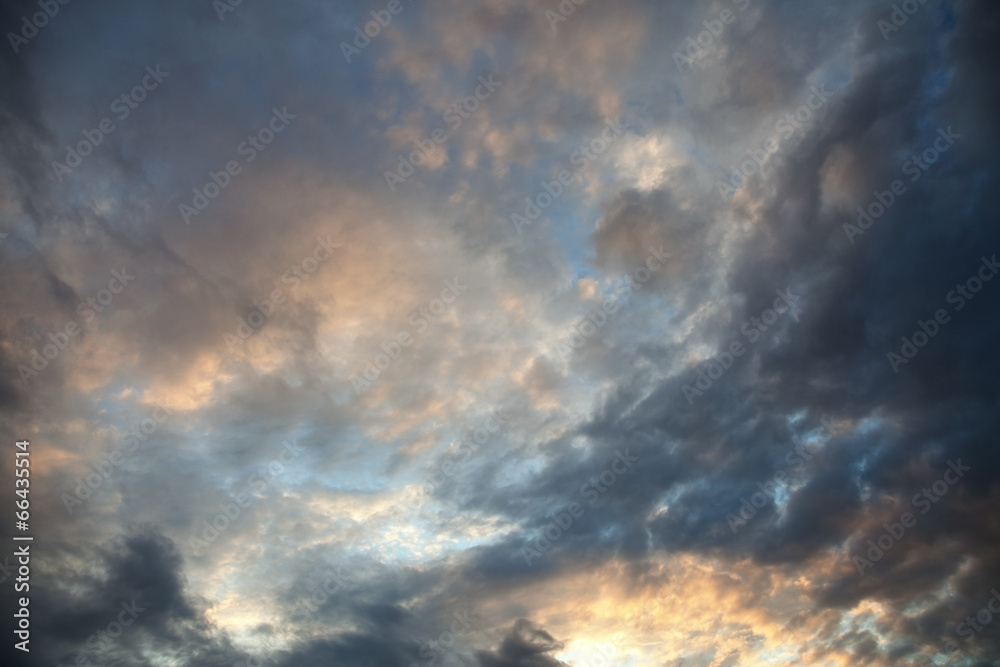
526,645
139,580
858,300
146,568
380,643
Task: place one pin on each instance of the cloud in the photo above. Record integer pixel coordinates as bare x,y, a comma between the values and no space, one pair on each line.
685,587
526,645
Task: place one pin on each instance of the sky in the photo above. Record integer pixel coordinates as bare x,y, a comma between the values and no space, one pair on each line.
499,333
